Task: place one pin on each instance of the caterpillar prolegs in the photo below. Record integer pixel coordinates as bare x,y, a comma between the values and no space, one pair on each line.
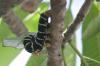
34,43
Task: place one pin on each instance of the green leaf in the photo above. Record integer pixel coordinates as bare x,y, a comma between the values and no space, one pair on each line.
98,5
92,13
91,36
31,22
37,60
93,28
69,53
69,56
5,32
91,49
20,13
68,18
43,7
7,55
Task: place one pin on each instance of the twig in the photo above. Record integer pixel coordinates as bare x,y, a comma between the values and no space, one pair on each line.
91,59
79,54
58,8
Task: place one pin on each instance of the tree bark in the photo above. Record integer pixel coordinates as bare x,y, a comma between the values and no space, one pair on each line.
14,23
30,5
78,20
5,5
58,8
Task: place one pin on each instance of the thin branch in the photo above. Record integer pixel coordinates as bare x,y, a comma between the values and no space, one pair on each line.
79,54
79,19
58,8
91,59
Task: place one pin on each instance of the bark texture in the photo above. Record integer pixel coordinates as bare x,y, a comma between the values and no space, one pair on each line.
14,23
58,8
5,5
79,19
30,5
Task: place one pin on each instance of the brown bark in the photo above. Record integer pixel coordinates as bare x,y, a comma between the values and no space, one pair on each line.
14,23
79,19
30,5
5,5
58,8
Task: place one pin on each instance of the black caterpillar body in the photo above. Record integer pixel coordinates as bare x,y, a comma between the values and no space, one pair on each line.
34,43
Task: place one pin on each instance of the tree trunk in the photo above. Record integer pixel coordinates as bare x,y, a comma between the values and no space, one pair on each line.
58,8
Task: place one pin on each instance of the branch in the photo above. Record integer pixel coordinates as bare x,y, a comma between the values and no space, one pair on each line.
14,23
30,5
58,8
5,5
79,19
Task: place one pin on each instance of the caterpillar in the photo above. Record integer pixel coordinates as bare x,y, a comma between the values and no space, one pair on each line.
34,43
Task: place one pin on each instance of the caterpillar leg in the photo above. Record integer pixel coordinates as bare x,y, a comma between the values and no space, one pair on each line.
37,52
47,40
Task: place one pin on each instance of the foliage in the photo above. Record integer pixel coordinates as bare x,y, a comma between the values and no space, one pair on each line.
91,36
